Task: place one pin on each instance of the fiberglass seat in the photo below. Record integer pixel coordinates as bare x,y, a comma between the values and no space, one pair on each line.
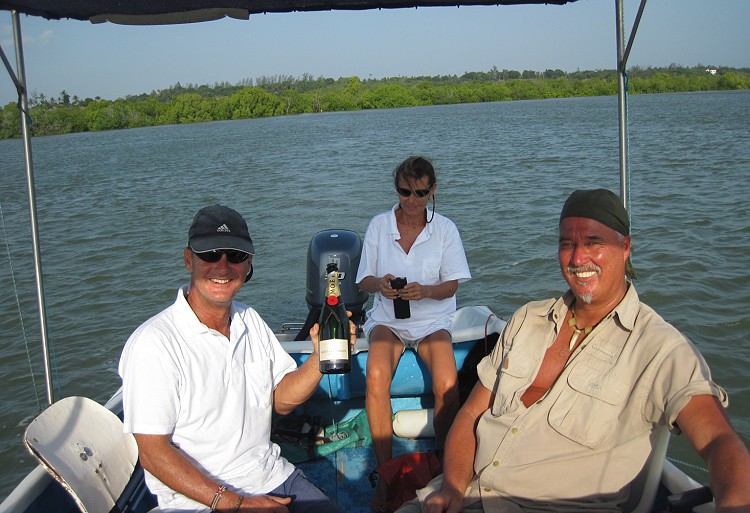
82,445
645,485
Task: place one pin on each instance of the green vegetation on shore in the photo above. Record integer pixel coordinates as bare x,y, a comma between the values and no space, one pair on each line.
282,95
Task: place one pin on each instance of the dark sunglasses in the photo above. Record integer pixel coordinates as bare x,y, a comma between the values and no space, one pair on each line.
233,256
421,193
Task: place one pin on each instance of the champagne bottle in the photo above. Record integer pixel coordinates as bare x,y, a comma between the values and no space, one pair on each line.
334,350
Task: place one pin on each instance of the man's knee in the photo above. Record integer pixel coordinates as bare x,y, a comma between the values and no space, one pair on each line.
412,506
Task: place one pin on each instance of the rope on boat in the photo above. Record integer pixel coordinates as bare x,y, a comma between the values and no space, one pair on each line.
25,112
18,305
335,436
686,464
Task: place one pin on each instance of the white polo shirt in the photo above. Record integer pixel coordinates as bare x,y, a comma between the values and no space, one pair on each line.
435,257
213,395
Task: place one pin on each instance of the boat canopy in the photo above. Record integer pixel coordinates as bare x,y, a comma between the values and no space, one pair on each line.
146,12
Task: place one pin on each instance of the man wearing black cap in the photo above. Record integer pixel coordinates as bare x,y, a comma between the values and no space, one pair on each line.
563,415
200,380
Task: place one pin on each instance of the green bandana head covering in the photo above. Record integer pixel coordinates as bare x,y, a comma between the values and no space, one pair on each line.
601,205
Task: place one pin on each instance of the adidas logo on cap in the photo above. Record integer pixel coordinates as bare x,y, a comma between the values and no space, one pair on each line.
223,228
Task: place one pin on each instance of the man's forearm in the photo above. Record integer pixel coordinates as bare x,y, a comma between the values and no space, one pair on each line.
460,448
461,444
170,466
729,473
297,386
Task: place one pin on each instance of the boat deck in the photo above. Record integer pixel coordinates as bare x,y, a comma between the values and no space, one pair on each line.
344,475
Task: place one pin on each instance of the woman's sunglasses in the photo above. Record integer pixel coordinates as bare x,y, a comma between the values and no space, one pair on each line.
421,193
233,256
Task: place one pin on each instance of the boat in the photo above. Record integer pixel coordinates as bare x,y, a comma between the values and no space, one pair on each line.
343,472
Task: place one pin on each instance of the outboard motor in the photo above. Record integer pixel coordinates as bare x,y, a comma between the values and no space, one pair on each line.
343,247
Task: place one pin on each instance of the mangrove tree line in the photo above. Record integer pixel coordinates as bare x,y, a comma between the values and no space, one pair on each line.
284,95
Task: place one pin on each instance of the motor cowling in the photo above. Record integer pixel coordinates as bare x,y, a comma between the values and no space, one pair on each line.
344,248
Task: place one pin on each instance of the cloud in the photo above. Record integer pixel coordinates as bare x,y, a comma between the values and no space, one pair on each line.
47,36
6,37
44,39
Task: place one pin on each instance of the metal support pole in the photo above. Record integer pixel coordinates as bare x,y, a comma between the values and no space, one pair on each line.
622,102
9,69
623,53
23,102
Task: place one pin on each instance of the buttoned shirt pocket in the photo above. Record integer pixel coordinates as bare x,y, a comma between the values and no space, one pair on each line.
259,384
513,377
589,407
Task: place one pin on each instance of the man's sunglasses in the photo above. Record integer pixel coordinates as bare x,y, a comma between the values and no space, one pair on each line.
421,193
233,256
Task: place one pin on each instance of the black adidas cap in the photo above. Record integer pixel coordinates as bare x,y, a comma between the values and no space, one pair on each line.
219,227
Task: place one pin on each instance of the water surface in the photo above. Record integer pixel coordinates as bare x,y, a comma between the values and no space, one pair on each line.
114,209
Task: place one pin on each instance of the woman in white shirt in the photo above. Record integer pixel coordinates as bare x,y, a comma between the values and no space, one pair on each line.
413,242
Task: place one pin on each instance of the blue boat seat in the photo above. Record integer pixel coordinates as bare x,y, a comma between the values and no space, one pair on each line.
411,379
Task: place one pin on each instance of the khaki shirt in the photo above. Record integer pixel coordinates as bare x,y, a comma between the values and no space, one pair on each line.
582,443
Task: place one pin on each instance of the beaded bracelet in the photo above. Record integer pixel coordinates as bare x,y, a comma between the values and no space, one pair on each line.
217,497
239,504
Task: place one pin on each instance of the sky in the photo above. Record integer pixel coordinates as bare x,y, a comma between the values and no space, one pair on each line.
112,61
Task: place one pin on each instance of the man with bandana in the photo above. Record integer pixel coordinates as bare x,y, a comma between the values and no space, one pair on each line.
564,411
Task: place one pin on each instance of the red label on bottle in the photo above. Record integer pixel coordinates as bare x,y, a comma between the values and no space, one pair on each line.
332,300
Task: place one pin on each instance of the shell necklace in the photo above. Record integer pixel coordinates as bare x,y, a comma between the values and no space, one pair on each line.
576,330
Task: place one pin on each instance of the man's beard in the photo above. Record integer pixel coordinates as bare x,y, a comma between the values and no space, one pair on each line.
572,270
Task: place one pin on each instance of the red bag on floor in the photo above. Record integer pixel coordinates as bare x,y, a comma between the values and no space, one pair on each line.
407,473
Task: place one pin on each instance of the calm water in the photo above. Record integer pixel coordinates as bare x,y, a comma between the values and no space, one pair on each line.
114,208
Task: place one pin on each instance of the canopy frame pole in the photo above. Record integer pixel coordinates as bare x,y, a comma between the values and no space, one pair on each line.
23,107
11,72
623,53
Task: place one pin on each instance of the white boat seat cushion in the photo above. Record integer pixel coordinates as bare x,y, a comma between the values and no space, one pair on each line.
82,445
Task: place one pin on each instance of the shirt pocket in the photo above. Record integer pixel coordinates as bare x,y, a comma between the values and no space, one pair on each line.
589,407
512,378
259,384
431,271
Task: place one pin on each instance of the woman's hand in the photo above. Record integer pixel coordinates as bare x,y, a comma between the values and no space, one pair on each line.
411,291
385,289
415,291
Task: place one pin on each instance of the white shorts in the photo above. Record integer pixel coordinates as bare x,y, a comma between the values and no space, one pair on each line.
406,336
